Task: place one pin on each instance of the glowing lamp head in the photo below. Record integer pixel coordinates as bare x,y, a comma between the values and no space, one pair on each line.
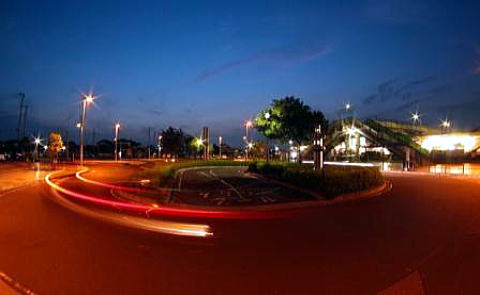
348,106
415,117
89,98
78,125
117,126
37,140
250,145
267,115
446,124
198,142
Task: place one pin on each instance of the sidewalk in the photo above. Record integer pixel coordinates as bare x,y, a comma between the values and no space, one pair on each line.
15,175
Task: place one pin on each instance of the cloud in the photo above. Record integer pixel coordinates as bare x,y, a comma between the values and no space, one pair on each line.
283,54
393,90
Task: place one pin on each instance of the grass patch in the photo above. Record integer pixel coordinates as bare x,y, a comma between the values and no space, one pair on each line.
331,181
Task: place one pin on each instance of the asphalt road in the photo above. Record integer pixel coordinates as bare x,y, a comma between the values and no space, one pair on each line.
422,237
230,186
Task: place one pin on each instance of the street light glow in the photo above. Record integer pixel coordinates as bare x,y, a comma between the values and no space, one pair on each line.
267,115
89,98
347,106
446,123
415,117
37,140
351,130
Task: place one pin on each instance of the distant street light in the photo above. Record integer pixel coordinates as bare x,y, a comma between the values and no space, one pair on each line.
318,148
267,115
415,117
446,124
220,147
86,100
348,106
37,141
248,125
117,133
159,145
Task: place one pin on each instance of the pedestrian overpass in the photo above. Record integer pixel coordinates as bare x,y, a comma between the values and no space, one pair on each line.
398,138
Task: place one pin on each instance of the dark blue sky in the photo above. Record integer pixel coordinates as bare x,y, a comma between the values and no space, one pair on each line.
194,63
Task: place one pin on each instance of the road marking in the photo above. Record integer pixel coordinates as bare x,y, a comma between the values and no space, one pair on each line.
228,184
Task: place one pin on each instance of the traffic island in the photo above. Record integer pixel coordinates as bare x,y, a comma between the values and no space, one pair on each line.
250,184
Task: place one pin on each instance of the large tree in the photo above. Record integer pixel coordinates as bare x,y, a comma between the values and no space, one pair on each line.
173,141
289,119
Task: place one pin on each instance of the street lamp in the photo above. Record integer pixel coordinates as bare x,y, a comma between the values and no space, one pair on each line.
86,100
37,141
415,117
267,115
318,148
117,133
159,145
348,106
248,125
220,147
446,124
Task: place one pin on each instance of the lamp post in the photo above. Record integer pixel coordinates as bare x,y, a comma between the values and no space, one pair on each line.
248,125
220,147
267,155
318,148
87,99
117,133
446,124
159,145
37,142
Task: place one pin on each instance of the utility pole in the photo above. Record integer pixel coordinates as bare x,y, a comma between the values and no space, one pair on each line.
206,141
24,123
148,144
20,114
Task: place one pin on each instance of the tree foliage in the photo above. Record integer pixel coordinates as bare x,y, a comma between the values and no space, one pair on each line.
55,143
289,119
173,141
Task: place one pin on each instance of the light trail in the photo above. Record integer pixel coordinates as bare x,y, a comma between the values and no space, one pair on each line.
176,228
170,210
79,176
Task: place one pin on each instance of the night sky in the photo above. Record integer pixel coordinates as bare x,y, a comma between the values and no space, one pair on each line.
194,63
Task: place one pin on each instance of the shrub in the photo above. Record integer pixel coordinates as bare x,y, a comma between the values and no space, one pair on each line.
331,181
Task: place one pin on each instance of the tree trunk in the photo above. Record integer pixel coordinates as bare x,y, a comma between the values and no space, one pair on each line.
299,154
